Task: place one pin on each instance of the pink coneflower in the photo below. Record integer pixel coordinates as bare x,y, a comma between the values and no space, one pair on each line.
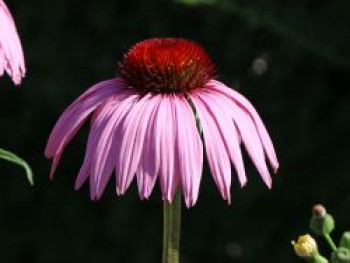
156,120
11,54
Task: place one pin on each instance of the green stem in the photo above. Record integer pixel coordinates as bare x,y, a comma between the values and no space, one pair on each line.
171,230
330,242
319,259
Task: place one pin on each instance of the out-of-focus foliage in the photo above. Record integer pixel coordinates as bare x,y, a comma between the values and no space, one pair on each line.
290,58
281,27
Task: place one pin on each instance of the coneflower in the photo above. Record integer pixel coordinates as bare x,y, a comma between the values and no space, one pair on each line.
155,120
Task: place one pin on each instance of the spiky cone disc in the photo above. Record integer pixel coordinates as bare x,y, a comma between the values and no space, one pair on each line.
166,65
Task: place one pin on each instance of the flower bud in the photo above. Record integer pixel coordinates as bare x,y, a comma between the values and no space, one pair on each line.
321,222
319,210
341,255
345,240
305,247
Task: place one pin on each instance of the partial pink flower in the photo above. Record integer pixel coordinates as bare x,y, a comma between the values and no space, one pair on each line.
11,54
156,120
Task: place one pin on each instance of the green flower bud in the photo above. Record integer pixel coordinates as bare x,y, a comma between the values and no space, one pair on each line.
321,223
345,240
341,255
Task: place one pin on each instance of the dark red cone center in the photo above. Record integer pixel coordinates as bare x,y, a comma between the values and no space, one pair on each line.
165,65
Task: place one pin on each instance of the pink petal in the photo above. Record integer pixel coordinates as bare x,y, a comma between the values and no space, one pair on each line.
12,59
249,134
85,169
148,168
227,129
169,177
215,147
75,115
103,162
133,138
247,106
2,62
101,150
189,149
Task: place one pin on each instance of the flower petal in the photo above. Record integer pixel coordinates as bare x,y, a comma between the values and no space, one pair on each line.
75,115
189,149
248,107
101,147
249,135
2,62
132,141
227,131
103,161
148,168
85,169
10,44
215,147
169,177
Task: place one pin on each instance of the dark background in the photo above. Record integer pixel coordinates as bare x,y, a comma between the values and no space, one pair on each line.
303,96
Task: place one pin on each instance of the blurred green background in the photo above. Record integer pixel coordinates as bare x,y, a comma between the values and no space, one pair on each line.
290,58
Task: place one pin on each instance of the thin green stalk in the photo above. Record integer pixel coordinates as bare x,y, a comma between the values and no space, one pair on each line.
171,230
330,242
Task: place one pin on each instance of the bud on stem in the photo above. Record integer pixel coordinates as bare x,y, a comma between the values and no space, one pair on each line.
306,248
345,240
341,255
322,224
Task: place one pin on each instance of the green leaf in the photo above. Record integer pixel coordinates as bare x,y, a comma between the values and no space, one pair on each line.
8,156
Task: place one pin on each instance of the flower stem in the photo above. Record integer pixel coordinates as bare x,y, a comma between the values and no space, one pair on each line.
330,242
171,230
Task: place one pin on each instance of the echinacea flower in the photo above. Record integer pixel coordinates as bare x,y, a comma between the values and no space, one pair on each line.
11,54
156,120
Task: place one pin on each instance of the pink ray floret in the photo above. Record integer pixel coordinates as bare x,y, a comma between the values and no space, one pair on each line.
11,54
158,120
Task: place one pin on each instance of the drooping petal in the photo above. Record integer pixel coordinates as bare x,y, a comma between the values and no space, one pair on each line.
249,134
103,161
133,141
100,153
2,62
189,149
168,174
148,168
13,59
215,147
75,115
242,102
227,129
85,169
